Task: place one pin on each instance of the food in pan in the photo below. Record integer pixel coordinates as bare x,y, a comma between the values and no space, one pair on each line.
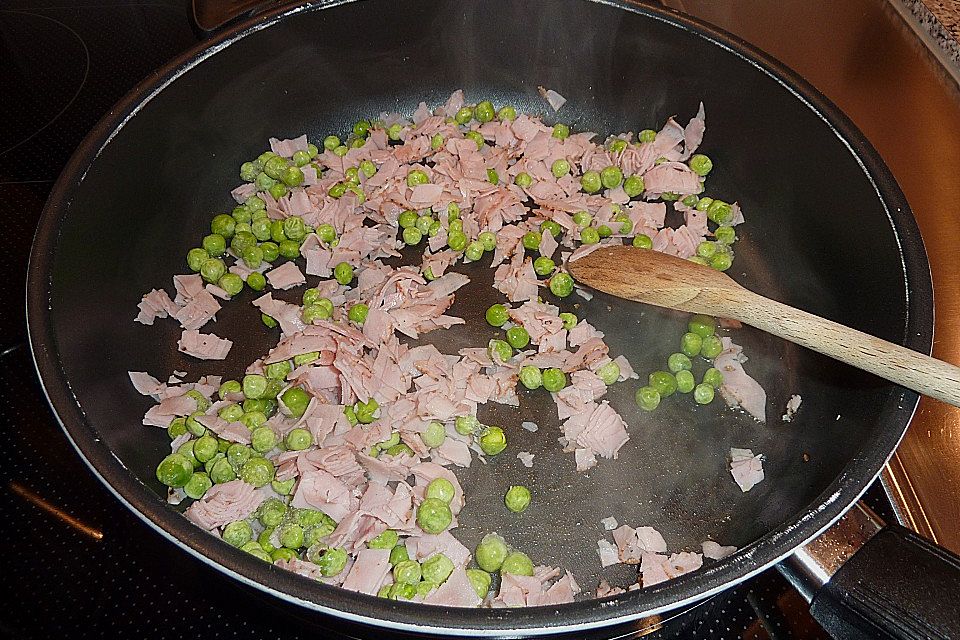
332,455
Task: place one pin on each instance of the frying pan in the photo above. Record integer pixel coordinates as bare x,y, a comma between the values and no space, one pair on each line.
827,230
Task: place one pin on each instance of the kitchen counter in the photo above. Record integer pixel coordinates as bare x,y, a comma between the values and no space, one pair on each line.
902,92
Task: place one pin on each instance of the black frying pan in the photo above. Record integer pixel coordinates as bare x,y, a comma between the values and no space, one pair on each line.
828,230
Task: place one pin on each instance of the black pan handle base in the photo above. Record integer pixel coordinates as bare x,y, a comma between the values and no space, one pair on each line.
892,583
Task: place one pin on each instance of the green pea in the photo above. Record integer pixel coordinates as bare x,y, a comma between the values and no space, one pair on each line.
726,235
257,471
523,180
407,219
589,236
604,231
707,249
517,498
480,580
231,283
407,571
285,487
569,320
332,562
366,412
647,398
491,552
561,284
248,171
263,439
685,381
394,130
702,325
531,240
205,447
424,223
434,516
436,141
341,151
343,273
663,382
591,182
488,240
351,415
720,212
198,485
386,540
434,435
530,377
437,568
466,425
177,427
492,176
464,115
457,240
642,241
175,470
296,400
713,377
298,439
254,385
561,131
222,471
435,227
507,113
399,554
231,412
252,257
679,362
703,393
609,373
412,236
518,337
712,347
582,218
700,164
493,441
417,177
611,177
721,261
278,190
274,167
453,211
474,251
196,257
499,350
554,380
223,226
690,344
476,136
253,419
517,563
238,533
647,135
560,168
543,266
358,313
497,315
195,427
337,190
484,111
186,450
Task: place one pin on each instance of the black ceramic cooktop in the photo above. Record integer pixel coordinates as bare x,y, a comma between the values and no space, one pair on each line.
75,563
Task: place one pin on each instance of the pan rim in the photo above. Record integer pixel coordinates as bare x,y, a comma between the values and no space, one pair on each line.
756,557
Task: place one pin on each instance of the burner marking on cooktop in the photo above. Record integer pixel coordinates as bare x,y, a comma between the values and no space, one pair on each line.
55,511
86,73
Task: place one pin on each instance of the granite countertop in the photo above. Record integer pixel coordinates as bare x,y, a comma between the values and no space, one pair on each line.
940,19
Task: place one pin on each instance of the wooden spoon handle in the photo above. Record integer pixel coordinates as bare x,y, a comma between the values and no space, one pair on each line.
893,362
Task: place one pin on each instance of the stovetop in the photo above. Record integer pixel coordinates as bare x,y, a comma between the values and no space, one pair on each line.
76,562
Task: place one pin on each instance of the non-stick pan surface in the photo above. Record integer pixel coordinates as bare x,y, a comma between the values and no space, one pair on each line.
827,230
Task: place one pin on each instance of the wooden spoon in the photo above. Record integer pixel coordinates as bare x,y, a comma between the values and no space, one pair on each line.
667,281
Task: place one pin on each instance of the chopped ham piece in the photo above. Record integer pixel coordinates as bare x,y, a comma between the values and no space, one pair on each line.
746,468
715,551
286,276
554,99
526,458
674,177
287,148
156,304
608,553
369,571
793,404
609,523
738,388
456,591
205,346
224,503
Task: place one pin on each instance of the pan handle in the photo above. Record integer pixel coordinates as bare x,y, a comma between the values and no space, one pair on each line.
867,580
